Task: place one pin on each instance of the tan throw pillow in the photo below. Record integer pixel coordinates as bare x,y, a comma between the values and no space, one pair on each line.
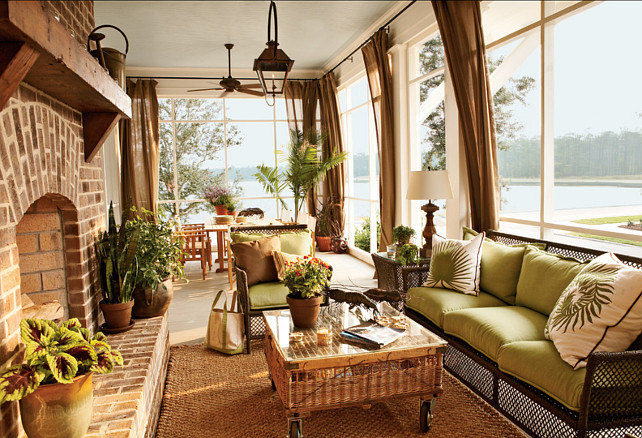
455,264
255,258
600,310
281,260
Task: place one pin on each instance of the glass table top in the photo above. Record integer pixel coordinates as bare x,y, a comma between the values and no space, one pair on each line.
338,316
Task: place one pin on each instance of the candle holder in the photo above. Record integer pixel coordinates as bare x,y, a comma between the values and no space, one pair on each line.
296,336
324,336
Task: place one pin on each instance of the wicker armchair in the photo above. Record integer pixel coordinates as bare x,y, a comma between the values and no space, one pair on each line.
254,323
612,392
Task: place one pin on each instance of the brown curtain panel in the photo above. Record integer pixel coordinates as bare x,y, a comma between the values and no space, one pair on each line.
461,31
301,99
334,183
140,147
375,56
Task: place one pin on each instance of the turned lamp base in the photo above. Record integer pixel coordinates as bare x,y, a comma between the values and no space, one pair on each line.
429,229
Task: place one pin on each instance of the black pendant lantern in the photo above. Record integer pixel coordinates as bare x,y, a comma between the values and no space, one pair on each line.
273,65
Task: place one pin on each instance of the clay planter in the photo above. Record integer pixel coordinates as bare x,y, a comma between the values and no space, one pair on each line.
150,302
324,243
221,210
58,409
117,315
304,311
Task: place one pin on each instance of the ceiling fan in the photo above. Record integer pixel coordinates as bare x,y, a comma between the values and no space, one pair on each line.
229,84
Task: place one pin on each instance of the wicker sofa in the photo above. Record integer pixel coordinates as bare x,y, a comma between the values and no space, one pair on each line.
498,349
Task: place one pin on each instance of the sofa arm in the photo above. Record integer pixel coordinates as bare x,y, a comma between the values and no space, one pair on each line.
242,289
612,387
413,276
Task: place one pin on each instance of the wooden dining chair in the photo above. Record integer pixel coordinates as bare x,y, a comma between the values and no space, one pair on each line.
201,228
194,248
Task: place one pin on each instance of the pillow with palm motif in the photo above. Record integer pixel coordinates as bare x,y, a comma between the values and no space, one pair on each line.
455,264
600,310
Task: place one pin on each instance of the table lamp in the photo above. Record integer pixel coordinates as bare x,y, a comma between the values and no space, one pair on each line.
429,184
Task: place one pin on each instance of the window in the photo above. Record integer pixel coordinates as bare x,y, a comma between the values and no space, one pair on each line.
571,145
206,141
362,183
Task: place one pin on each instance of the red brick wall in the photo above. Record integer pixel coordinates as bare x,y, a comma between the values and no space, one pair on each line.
76,15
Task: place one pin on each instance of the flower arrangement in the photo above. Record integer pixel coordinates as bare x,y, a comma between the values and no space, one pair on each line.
218,195
307,277
56,354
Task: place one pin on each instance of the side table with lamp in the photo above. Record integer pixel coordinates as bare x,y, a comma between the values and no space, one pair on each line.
428,184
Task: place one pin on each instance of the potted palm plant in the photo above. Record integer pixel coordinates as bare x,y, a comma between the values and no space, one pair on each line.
54,382
304,168
117,268
323,233
159,260
307,280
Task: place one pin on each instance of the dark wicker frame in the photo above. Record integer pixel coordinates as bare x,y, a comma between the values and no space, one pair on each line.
254,322
390,273
611,400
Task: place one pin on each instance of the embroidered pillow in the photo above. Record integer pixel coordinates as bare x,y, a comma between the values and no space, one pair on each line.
600,310
455,264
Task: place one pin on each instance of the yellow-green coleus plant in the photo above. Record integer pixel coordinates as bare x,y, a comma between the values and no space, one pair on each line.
56,354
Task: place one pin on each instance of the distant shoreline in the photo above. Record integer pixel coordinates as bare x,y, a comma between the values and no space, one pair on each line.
574,182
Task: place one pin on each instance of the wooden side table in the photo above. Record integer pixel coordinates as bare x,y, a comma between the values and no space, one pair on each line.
391,274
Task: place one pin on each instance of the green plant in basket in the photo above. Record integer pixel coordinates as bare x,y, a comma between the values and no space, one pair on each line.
407,254
56,354
402,234
307,278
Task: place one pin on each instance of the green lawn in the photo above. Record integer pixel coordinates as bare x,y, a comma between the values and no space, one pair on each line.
610,239
609,220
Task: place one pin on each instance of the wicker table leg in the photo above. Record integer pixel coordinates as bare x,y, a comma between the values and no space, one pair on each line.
426,413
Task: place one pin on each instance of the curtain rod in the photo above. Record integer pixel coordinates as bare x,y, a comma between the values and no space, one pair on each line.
368,40
204,78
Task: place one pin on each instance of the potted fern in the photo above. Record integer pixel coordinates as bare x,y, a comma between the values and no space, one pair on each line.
402,234
305,167
117,268
54,382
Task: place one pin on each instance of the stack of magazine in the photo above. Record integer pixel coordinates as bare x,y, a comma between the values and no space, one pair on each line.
371,334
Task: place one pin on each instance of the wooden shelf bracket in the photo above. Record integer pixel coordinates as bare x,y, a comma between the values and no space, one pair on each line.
96,129
16,59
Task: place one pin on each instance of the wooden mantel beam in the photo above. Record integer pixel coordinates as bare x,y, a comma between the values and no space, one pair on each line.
16,59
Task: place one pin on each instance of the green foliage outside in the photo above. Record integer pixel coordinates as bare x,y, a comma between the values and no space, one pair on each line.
196,143
608,239
609,220
56,354
362,235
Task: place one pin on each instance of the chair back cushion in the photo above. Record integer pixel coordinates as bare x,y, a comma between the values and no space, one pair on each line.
292,242
281,260
255,258
543,278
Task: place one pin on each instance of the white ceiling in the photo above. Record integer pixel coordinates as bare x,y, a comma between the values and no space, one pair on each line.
190,34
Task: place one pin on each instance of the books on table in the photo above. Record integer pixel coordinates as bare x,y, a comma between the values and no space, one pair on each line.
371,334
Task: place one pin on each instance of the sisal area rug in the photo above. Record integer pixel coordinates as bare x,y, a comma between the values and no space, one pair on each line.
208,394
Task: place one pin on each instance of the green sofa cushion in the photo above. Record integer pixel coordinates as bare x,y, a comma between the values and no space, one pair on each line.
500,266
543,278
434,303
488,329
268,295
539,364
297,242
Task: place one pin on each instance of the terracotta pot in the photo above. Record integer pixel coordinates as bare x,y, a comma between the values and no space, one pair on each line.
59,410
220,210
117,315
324,243
150,302
304,311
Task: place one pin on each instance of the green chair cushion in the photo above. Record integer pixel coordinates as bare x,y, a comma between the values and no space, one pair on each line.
298,242
539,364
268,295
500,266
434,303
543,278
488,329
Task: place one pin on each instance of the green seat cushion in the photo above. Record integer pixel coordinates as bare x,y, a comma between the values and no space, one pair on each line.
488,329
543,278
268,295
539,364
434,303
298,242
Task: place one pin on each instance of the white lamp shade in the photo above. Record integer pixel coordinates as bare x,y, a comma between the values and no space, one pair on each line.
429,184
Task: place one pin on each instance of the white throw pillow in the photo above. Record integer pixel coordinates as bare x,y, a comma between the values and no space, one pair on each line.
455,264
600,310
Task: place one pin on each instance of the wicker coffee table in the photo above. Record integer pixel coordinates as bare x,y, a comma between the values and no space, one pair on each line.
309,377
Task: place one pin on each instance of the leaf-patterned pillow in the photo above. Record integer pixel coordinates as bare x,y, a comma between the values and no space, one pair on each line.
455,264
600,310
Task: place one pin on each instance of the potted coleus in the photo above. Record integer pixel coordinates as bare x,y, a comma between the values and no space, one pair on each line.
219,197
159,261
307,280
117,267
54,382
